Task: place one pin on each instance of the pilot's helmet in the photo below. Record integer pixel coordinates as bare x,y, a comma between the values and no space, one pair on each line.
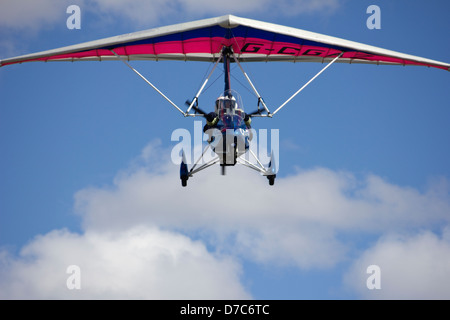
230,103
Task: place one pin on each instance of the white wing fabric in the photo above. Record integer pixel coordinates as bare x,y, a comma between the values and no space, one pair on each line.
251,40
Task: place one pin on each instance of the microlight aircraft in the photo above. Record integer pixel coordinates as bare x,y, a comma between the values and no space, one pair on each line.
227,39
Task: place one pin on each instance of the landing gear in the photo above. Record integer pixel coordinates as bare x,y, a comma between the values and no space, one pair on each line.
269,172
271,179
184,173
184,180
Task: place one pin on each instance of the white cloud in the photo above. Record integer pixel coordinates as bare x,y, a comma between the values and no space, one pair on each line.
295,7
151,13
141,226
411,267
296,222
22,20
32,15
144,12
140,263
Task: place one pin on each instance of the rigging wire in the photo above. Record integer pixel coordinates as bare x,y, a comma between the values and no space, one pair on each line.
205,75
244,86
206,89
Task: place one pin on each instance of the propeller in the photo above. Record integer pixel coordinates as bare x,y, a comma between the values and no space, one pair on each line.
195,107
259,111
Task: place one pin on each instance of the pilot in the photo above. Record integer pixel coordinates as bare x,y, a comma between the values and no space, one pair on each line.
211,121
248,121
230,105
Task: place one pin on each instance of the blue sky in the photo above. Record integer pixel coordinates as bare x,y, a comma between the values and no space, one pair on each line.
86,176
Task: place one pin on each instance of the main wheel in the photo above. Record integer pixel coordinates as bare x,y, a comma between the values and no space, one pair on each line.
271,180
184,181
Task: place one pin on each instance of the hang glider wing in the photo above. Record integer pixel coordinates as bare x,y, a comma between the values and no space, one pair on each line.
251,40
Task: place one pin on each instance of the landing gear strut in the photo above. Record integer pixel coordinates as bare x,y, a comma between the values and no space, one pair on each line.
184,180
184,173
271,179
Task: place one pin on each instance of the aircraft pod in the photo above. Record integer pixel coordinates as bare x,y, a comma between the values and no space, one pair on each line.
229,133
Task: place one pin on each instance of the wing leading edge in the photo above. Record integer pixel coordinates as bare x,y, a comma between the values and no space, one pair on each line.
251,40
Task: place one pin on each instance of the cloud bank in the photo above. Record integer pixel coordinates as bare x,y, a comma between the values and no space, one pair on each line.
142,11
27,15
139,263
138,238
411,267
